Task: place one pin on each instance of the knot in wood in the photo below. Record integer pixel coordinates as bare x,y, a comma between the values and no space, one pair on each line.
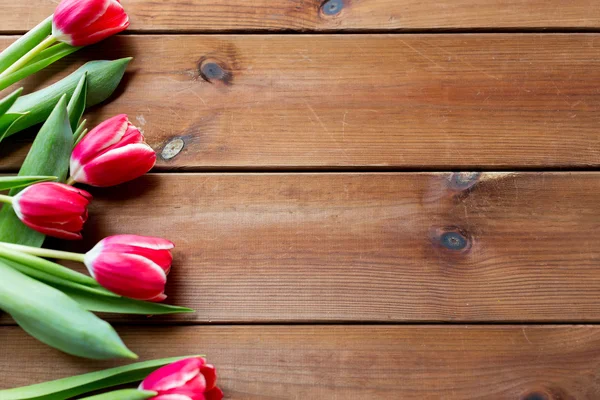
454,241
332,7
212,71
460,181
536,396
451,239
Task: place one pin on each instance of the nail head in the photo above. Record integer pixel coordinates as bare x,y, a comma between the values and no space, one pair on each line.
172,148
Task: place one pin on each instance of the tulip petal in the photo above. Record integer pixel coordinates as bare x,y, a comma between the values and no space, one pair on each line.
161,297
214,394
113,21
59,209
173,375
155,249
162,258
171,397
116,272
210,374
193,387
98,139
73,224
148,242
54,232
118,166
72,15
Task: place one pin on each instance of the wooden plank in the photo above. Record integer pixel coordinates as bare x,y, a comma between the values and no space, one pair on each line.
321,15
369,247
349,101
354,362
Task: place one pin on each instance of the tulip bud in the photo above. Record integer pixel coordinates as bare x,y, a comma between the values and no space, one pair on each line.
188,379
85,22
110,154
54,209
132,266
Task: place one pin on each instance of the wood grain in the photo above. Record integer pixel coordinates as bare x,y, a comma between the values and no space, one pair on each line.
336,15
368,247
350,101
352,362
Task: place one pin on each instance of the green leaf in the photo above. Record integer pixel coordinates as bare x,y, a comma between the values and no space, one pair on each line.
80,132
76,105
9,121
11,182
76,385
7,102
25,43
49,155
56,320
125,394
103,79
41,61
101,303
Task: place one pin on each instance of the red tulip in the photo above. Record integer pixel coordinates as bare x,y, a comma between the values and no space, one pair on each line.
85,22
132,266
189,379
54,209
110,154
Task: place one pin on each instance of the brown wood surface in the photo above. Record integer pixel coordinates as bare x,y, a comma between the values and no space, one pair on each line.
368,247
355,362
305,284
311,15
493,101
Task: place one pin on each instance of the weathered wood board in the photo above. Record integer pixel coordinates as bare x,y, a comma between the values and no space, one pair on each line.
368,247
430,102
330,15
355,362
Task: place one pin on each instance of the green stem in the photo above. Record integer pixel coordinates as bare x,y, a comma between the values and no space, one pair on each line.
71,181
46,267
41,61
6,199
25,43
41,252
49,41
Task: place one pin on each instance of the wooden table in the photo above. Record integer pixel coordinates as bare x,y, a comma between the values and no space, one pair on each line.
316,173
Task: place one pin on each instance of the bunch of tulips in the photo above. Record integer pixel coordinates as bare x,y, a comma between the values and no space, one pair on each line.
128,272
112,153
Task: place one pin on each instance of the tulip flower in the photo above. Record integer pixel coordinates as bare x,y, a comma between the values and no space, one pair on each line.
110,154
75,23
54,209
188,379
132,266
85,22
128,265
